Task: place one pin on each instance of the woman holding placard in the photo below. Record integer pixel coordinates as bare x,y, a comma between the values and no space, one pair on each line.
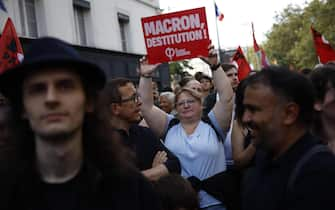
197,141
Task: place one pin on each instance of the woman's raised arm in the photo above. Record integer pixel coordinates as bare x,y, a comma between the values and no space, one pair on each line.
154,116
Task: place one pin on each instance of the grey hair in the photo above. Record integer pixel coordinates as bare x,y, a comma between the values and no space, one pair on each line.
169,95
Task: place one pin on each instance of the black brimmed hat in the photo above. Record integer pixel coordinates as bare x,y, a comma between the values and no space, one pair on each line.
50,52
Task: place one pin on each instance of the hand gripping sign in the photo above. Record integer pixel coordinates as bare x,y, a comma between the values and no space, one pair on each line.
176,36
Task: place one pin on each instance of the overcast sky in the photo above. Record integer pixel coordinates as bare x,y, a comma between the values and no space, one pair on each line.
235,29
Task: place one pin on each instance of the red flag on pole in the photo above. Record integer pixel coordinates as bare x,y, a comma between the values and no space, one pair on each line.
256,47
259,51
11,52
323,49
243,65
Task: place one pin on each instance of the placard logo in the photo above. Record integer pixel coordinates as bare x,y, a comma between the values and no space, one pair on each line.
170,52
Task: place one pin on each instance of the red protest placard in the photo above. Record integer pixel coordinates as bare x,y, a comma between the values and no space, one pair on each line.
176,36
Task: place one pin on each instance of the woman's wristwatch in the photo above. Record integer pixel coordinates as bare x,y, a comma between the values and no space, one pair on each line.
146,75
215,66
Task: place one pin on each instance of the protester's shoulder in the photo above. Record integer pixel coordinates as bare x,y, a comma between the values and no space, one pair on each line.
132,187
125,177
319,171
12,181
316,182
322,161
315,155
144,132
140,129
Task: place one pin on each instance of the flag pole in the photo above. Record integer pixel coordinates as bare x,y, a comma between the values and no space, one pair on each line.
217,33
258,59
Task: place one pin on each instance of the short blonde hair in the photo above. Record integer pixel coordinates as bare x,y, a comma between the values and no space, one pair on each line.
195,94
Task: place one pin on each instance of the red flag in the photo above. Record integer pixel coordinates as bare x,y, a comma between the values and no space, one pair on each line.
256,47
243,65
323,49
259,51
11,52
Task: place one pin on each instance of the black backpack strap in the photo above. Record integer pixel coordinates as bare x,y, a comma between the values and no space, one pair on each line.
319,148
172,123
207,120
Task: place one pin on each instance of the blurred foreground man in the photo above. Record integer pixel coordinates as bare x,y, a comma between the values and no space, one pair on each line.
294,172
66,158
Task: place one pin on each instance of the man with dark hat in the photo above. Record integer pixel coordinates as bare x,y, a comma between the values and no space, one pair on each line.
66,159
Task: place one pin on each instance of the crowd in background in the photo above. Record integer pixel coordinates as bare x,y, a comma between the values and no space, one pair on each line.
70,141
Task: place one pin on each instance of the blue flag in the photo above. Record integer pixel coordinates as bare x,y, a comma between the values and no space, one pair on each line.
2,6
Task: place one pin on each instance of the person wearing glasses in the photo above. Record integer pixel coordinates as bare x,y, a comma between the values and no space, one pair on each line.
197,143
119,104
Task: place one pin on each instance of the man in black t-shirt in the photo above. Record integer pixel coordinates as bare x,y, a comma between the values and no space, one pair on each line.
120,104
291,172
65,157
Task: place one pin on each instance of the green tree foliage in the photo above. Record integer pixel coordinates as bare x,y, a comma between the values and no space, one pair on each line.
177,69
290,43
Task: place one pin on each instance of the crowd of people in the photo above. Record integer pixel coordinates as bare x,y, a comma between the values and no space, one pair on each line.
70,139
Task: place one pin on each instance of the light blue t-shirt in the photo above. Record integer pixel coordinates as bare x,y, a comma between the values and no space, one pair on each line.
227,144
201,154
227,141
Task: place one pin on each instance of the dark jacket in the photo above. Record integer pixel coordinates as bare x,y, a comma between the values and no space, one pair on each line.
145,145
209,103
266,184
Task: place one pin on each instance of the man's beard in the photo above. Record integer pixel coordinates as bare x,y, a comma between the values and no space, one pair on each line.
266,141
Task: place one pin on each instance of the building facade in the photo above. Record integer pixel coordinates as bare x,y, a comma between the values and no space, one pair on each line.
108,32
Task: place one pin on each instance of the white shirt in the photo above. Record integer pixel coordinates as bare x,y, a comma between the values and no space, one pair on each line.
201,154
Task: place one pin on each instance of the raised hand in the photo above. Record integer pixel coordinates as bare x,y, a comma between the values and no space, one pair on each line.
212,58
145,67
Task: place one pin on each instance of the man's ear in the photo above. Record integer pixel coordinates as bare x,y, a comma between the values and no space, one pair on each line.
318,106
292,111
114,108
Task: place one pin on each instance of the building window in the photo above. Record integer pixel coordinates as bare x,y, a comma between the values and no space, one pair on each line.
28,18
81,9
124,27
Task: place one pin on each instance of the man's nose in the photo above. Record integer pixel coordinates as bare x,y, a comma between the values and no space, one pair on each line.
51,95
246,117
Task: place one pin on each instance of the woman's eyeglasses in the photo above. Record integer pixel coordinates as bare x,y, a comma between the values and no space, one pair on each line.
186,102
